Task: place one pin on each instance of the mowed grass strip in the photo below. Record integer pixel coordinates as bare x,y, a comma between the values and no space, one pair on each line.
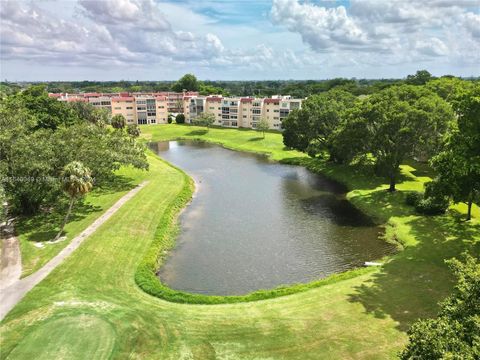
359,318
34,233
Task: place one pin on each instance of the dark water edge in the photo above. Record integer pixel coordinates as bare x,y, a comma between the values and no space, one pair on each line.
256,224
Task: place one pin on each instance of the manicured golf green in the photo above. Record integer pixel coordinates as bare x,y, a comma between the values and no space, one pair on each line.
91,308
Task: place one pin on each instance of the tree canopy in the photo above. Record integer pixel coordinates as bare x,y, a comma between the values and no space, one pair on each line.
309,129
187,82
455,333
32,156
458,165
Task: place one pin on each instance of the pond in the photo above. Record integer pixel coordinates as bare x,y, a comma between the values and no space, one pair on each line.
256,224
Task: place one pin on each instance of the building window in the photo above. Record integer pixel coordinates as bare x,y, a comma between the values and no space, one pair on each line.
117,108
129,107
234,123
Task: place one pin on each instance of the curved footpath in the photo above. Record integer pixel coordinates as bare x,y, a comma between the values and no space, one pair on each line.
14,289
10,258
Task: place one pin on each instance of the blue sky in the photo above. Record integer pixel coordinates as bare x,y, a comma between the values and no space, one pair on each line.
264,39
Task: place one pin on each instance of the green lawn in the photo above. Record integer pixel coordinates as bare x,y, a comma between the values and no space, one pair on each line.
34,233
91,308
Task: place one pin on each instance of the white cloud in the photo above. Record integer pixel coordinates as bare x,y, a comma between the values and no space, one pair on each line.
297,38
408,30
432,47
320,27
143,14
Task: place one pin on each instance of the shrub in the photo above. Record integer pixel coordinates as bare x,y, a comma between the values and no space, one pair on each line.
170,119
430,203
455,333
432,206
180,119
413,198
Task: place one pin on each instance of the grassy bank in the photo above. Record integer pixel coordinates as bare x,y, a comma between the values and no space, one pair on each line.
35,233
91,308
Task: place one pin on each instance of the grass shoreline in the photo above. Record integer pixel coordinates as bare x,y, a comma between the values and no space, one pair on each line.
165,240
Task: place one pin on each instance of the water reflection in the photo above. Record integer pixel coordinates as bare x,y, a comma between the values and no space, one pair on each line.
256,224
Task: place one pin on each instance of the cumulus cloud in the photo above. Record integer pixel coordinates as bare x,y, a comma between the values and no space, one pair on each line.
143,14
406,29
107,32
306,39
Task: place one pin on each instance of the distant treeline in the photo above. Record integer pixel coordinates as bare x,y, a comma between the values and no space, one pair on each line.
266,88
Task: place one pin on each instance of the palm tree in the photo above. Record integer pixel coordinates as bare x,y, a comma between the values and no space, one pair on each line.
76,182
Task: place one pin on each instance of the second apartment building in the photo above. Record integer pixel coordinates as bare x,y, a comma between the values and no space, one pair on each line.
243,112
142,110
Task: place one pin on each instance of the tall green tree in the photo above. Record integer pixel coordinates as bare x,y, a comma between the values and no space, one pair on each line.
49,112
421,77
310,128
455,333
400,120
458,166
187,82
32,157
27,157
76,182
263,126
87,112
204,119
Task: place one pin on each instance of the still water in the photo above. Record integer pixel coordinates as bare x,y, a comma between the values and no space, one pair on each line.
255,224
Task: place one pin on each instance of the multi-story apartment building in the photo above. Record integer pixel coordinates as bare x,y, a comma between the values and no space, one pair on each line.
242,112
125,105
100,101
142,110
154,108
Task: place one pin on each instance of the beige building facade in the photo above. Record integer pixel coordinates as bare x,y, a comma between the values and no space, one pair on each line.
242,112
154,108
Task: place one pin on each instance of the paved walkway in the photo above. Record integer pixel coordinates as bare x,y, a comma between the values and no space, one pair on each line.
16,290
10,259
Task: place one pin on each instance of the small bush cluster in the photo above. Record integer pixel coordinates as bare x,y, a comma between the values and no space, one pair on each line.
413,198
427,204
